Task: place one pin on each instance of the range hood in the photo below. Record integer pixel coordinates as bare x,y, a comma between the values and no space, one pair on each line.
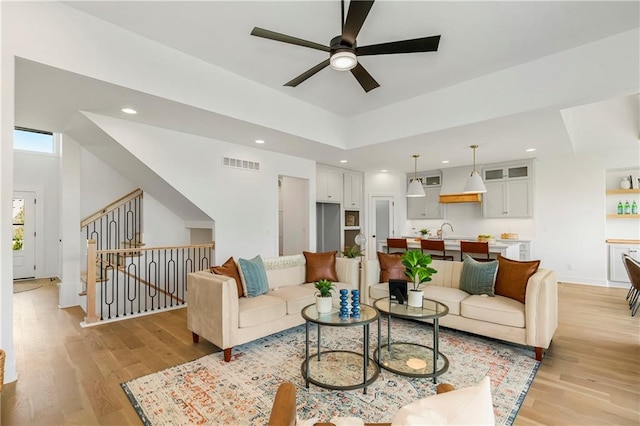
453,181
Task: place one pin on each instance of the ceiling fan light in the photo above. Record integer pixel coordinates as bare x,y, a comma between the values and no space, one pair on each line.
343,60
415,189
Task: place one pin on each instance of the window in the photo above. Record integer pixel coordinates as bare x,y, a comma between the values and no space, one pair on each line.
18,223
33,140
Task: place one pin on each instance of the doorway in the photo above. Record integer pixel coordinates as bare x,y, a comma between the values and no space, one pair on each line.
381,223
24,239
293,215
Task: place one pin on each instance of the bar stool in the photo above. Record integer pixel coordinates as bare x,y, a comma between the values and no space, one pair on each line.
475,247
396,243
435,245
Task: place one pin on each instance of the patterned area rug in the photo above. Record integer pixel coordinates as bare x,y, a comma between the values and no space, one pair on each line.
210,391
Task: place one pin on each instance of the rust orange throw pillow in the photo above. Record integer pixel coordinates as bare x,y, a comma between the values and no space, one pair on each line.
512,277
391,267
230,269
320,266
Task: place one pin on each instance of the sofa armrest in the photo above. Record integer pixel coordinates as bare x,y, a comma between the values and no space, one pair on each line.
371,277
348,271
541,308
212,308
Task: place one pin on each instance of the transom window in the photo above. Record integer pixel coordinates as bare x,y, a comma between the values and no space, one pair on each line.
33,140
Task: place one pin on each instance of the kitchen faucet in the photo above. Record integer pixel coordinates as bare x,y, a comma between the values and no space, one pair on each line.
442,229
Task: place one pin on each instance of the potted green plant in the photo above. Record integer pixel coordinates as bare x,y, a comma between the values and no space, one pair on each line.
417,269
323,296
352,251
424,233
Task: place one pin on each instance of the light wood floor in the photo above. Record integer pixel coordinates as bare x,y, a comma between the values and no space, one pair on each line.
71,376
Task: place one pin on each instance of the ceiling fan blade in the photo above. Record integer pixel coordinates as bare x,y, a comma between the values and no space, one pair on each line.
272,35
305,75
364,78
358,11
424,44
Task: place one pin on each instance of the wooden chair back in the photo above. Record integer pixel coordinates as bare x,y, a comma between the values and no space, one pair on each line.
283,412
435,245
475,247
396,243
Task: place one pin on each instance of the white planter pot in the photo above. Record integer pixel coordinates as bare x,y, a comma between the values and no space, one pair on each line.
415,298
323,304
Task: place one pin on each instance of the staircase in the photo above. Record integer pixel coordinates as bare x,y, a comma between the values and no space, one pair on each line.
123,277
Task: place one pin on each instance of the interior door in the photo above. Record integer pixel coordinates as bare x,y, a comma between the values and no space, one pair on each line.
23,221
381,223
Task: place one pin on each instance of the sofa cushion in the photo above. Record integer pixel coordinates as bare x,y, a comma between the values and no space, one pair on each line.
320,266
497,310
478,277
447,295
513,276
254,277
296,297
378,291
285,270
391,267
230,269
260,310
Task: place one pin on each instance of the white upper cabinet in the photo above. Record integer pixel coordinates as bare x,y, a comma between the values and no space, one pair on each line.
352,191
427,207
328,185
509,190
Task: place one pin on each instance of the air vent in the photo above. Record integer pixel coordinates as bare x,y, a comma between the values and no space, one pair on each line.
236,163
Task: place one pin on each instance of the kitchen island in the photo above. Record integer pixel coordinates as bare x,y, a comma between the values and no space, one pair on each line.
510,250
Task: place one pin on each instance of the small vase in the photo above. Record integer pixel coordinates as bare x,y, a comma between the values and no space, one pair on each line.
625,183
323,304
415,298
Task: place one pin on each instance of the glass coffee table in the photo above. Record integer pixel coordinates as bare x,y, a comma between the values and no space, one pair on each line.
411,359
339,369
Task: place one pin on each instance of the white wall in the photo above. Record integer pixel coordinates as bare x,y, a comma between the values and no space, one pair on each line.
243,203
40,173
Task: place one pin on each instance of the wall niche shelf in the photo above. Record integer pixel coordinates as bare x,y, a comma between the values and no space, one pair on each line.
622,191
623,216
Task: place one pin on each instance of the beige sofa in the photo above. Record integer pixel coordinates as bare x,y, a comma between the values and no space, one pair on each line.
215,312
532,323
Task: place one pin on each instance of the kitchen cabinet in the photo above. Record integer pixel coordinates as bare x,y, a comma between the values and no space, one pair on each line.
352,191
617,271
427,207
329,185
509,190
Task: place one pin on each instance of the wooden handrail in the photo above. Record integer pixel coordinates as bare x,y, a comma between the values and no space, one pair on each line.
137,249
110,207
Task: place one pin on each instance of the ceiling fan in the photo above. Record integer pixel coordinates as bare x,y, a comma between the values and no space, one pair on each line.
343,49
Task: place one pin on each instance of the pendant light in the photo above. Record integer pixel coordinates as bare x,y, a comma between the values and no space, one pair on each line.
474,183
415,186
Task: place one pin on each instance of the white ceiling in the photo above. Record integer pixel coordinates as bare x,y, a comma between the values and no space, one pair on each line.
478,38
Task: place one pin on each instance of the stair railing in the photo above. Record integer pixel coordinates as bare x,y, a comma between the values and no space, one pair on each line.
135,281
117,225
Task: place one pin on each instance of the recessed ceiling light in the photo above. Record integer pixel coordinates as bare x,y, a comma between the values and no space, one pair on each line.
259,141
384,170
445,161
530,149
343,161
129,111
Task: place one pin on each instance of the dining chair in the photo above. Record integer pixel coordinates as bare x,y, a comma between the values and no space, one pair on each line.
633,271
435,245
475,247
396,243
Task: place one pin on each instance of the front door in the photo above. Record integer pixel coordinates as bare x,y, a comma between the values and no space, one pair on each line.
24,214
381,223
